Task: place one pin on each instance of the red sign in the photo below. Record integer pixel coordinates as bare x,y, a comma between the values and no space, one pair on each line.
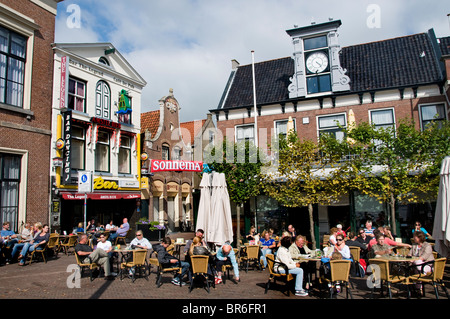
177,166
64,84
105,122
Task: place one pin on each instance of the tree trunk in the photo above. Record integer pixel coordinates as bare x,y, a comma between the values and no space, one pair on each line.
238,226
311,225
393,220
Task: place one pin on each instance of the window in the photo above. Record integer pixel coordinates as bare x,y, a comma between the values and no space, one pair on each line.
77,95
318,84
382,118
9,188
12,67
432,113
78,147
315,43
245,133
318,77
281,127
102,100
330,125
102,152
176,153
165,152
125,155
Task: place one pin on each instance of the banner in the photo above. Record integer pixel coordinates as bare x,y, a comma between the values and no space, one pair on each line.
67,150
176,166
63,92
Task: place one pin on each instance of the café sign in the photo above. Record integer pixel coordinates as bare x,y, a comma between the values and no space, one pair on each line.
100,183
177,166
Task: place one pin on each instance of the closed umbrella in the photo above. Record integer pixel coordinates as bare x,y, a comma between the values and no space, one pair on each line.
351,124
441,227
204,206
220,227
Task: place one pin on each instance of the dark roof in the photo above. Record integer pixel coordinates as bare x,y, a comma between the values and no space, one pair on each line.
444,44
399,62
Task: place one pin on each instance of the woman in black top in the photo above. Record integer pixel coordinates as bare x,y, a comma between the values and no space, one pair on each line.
37,243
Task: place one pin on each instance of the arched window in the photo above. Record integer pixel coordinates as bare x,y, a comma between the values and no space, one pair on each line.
102,100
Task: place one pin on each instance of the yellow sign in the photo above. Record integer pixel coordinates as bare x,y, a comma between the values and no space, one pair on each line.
100,183
144,182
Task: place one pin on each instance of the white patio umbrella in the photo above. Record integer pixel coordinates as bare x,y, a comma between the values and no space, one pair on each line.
220,227
204,206
441,227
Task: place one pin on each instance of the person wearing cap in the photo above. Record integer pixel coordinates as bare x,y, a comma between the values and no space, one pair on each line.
340,231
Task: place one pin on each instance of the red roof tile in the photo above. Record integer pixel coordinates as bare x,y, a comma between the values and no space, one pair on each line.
150,121
194,129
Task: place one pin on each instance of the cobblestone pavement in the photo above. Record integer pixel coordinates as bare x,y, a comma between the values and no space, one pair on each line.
50,281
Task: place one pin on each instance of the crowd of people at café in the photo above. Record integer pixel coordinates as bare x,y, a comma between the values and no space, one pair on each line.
94,246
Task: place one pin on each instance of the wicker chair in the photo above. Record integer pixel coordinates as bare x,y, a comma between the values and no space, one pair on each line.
275,275
251,255
53,244
384,276
356,254
121,238
340,271
139,262
434,278
160,270
83,266
42,252
200,268
70,243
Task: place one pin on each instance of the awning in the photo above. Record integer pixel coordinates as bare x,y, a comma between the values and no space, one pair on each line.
101,196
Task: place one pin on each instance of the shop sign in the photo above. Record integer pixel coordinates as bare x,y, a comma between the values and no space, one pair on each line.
100,183
128,184
105,122
144,182
63,93
67,149
177,166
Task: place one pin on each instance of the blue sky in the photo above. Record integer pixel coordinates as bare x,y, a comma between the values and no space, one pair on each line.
188,45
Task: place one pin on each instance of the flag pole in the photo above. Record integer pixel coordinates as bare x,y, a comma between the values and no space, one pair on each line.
254,98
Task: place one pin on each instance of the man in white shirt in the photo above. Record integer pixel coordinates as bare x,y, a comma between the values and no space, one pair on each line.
107,247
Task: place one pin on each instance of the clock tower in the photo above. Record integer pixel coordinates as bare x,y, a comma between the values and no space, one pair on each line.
316,59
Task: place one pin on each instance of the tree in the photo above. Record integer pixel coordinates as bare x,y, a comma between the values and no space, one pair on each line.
241,163
300,179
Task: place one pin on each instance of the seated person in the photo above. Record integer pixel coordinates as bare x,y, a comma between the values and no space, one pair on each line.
91,226
387,232
200,233
87,256
283,256
268,244
9,237
340,231
110,226
354,242
332,239
37,243
362,237
140,241
388,241
167,260
120,231
299,248
368,229
418,227
225,256
107,247
80,228
25,237
197,248
380,248
423,250
340,247
284,234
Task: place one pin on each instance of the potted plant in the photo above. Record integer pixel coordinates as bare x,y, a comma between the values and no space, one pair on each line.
153,231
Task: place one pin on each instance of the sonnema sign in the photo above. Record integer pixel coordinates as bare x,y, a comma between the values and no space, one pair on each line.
160,165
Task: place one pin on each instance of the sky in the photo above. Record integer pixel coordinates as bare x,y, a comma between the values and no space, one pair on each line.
188,45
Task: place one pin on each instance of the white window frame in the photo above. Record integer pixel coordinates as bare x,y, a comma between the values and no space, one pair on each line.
77,96
275,122
429,104
384,109
108,143
237,127
318,117
104,96
123,147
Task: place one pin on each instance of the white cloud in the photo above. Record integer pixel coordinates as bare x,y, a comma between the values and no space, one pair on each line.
187,45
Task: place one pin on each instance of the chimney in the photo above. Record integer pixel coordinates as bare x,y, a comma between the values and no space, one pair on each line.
234,64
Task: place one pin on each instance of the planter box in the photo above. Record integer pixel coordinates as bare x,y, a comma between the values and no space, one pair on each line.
151,235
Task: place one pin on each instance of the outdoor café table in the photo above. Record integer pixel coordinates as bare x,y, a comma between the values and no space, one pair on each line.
177,250
308,259
123,254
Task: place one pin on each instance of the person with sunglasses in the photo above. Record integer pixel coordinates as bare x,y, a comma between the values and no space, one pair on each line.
418,227
140,241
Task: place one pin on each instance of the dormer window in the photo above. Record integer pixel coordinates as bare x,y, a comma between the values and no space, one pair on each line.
103,60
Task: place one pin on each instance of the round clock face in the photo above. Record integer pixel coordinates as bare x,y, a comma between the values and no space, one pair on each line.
171,106
317,62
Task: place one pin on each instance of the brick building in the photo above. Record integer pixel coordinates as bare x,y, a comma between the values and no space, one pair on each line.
321,84
170,196
26,72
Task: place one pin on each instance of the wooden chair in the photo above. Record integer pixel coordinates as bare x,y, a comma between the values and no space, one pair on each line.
251,255
200,268
139,262
433,278
340,271
53,244
83,266
42,252
70,243
160,270
121,238
356,254
381,273
326,241
275,275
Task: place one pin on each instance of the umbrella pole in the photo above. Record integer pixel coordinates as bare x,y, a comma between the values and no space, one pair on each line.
238,225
